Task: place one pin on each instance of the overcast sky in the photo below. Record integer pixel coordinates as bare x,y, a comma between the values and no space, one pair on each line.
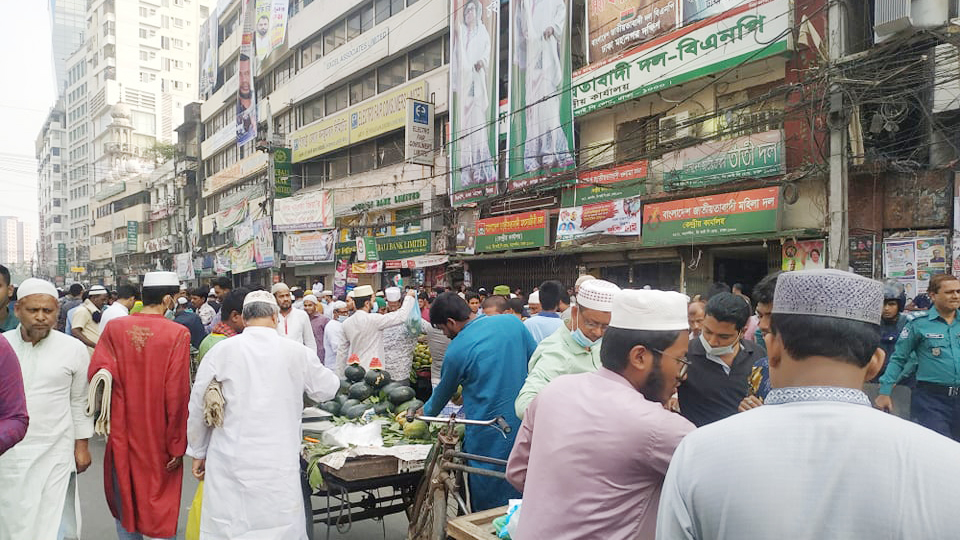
26,95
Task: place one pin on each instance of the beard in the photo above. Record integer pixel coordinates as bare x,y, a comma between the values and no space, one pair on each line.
653,389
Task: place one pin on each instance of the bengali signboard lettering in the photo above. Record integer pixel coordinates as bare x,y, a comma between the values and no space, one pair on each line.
755,31
617,25
304,211
621,218
315,246
621,182
515,231
281,173
752,156
391,248
702,218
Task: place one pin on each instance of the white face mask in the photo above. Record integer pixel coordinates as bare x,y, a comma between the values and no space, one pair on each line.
716,351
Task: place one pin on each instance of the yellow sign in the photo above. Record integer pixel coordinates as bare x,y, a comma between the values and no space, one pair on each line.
78,269
384,113
327,135
381,114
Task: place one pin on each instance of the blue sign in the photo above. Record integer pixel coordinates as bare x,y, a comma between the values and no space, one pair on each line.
421,113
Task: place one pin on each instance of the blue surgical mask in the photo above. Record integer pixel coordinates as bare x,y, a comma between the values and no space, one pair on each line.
375,308
583,340
342,318
716,351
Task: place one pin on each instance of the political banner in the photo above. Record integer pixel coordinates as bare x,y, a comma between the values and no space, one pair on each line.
465,239
304,211
474,32
184,265
263,242
913,261
315,246
246,95
278,23
261,22
209,50
243,258
615,26
862,255
340,279
803,255
620,182
704,218
621,218
540,141
515,231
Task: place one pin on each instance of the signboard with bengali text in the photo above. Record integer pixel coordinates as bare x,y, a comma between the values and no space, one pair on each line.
515,231
704,218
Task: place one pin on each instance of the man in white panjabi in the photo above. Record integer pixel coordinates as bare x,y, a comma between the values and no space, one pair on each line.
364,330
542,24
816,460
38,486
251,464
471,84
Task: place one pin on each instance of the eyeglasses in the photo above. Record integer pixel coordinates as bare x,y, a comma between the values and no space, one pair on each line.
685,364
594,325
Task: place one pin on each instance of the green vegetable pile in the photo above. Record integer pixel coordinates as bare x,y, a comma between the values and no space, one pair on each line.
421,362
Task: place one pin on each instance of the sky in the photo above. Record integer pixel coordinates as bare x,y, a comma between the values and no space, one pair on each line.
25,100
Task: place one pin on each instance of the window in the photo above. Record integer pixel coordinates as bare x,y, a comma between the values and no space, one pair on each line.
56,202
56,169
144,11
284,71
337,163
387,9
363,157
390,149
334,37
177,43
392,74
56,219
109,29
144,55
55,151
143,33
312,111
204,12
336,100
353,25
637,139
426,58
363,87
164,43
311,51
177,22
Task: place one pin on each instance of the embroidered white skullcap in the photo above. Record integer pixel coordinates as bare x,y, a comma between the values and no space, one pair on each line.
183,286
311,298
362,291
829,293
259,296
161,279
326,293
212,292
596,294
339,304
182,301
534,298
583,279
279,287
379,293
350,294
36,286
96,290
393,294
649,309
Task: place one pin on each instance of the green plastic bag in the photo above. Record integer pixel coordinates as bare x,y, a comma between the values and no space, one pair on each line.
193,516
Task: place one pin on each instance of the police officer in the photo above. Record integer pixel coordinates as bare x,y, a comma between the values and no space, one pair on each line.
892,323
935,338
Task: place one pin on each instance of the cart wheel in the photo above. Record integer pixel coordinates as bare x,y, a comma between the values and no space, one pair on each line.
418,513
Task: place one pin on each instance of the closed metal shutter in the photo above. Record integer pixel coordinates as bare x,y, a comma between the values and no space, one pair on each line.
526,273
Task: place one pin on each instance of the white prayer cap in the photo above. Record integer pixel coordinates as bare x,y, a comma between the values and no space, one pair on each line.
350,294
512,295
829,293
534,298
362,290
182,301
596,294
393,294
36,286
339,304
161,279
379,293
279,287
183,286
311,298
583,279
259,296
649,309
212,292
326,293
96,290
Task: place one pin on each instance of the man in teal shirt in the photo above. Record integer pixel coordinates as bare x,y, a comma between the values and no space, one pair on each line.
935,338
8,321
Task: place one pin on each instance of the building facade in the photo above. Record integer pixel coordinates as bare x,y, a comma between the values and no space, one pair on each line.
54,233
17,242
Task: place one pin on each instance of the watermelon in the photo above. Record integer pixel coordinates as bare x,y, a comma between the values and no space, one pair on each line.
332,407
360,391
410,406
348,403
344,386
376,378
354,412
401,394
382,408
354,373
341,398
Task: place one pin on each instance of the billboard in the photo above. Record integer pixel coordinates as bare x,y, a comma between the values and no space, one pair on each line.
704,218
474,99
208,55
246,95
304,211
620,217
615,26
540,141
315,246
515,231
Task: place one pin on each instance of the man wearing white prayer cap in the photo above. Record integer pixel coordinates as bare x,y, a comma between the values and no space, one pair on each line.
318,321
148,357
567,313
364,330
294,323
333,333
85,324
619,467
38,497
398,340
816,447
573,348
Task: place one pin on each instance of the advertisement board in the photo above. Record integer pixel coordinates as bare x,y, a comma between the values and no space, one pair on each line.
515,231
702,218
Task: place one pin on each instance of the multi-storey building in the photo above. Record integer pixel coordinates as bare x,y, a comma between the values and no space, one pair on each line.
17,242
52,187
68,27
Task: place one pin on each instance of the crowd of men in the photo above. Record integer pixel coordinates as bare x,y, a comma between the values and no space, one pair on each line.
635,413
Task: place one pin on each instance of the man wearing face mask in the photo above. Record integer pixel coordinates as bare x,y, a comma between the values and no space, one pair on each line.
148,357
618,469
333,336
720,362
573,350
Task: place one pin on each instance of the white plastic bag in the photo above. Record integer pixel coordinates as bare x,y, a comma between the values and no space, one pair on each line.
354,435
513,518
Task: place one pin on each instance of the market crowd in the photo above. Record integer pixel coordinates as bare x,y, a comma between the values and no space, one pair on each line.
635,413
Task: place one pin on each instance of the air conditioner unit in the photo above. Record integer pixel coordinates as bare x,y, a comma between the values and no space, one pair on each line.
896,16
946,78
676,127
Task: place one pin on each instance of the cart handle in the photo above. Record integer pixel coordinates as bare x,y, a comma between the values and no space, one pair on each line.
499,423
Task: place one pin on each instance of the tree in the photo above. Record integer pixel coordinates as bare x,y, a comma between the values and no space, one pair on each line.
162,152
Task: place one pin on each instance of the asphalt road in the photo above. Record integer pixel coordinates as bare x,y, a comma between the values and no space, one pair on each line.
98,524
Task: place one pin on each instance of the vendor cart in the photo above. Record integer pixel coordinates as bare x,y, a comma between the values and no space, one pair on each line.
476,526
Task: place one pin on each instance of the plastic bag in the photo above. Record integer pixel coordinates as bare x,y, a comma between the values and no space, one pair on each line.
413,322
506,525
354,435
193,515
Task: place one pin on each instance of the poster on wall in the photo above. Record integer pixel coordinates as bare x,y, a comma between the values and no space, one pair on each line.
474,70
184,263
208,55
620,217
863,255
242,258
803,255
246,96
615,26
465,238
340,280
912,261
314,246
304,211
263,242
540,140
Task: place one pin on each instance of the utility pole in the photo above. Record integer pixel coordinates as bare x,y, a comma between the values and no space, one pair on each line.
838,120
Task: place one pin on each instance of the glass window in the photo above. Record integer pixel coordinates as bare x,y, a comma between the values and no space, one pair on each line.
337,163
363,157
336,100
392,74
426,58
390,149
407,222
353,25
383,10
311,52
334,37
366,17
363,87
312,110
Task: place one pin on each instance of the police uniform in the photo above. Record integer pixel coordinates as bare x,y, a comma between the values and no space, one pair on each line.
935,402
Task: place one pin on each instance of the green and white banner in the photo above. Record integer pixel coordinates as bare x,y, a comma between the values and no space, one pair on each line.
540,143
474,63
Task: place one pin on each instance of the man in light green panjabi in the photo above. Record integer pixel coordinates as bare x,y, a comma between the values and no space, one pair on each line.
231,321
571,350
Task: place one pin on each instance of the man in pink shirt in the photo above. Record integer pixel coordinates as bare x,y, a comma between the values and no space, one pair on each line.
593,449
